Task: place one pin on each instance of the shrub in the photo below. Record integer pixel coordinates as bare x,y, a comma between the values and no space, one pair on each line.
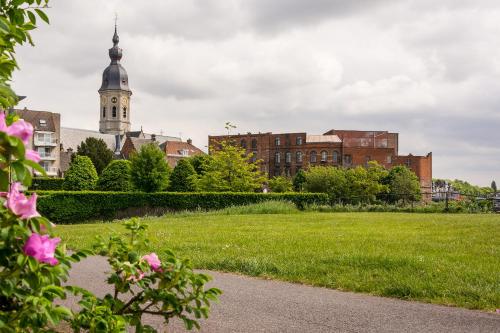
72,207
299,180
47,184
116,177
81,175
150,171
98,152
183,178
280,184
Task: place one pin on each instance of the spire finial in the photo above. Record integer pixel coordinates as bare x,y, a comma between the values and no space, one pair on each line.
116,39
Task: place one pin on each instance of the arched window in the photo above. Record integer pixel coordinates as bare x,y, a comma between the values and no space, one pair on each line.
324,156
288,157
335,156
113,112
104,112
298,157
298,140
313,157
243,143
254,144
277,158
277,141
124,112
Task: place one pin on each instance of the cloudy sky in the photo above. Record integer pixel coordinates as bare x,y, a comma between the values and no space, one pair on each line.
427,69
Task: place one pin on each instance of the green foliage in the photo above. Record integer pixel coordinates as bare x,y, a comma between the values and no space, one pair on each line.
403,185
17,20
183,178
229,169
81,175
170,289
47,184
280,184
464,187
330,180
97,151
199,162
74,207
150,171
116,177
299,180
494,186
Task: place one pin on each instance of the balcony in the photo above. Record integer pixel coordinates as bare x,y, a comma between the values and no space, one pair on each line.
47,157
50,142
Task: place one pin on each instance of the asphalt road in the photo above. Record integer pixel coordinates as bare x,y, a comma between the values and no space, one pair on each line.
256,305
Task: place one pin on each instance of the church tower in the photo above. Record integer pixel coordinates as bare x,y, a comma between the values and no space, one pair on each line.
114,94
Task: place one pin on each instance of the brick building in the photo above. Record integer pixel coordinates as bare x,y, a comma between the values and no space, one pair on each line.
286,153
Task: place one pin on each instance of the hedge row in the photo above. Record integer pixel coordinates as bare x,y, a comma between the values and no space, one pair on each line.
47,184
73,207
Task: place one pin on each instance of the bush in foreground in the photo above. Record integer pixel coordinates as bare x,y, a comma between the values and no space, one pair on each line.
47,184
81,175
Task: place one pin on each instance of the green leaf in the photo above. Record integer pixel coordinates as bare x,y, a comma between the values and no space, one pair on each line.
32,17
42,15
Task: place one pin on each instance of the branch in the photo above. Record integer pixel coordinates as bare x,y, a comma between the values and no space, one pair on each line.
132,300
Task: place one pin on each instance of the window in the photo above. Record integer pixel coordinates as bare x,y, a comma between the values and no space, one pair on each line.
347,159
408,163
288,157
254,144
335,156
185,152
44,152
113,112
43,122
313,157
388,159
298,157
324,156
298,140
104,112
277,158
367,159
43,139
124,112
243,143
277,141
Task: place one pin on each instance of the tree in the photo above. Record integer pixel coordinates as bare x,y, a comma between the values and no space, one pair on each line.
97,151
280,184
298,181
494,187
199,162
403,185
150,171
116,177
183,178
81,175
230,169
330,180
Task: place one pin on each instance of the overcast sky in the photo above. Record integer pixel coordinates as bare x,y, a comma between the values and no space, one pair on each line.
427,69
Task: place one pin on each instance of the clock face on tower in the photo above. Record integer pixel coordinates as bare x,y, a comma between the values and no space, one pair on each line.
114,100
124,101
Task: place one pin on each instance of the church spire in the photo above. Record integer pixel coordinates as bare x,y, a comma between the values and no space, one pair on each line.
115,53
116,39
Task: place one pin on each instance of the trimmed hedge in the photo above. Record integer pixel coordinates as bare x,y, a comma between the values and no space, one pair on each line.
77,206
47,184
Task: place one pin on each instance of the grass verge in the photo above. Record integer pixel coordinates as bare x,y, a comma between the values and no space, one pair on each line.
436,258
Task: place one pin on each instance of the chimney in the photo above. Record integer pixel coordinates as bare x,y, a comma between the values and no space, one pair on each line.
153,137
189,141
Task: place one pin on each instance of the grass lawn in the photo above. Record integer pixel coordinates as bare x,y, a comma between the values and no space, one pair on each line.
437,258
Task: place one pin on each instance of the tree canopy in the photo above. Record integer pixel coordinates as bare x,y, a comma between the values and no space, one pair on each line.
116,177
183,178
97,151
150,171
81,175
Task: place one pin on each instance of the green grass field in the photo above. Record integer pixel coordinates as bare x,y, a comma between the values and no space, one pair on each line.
437,258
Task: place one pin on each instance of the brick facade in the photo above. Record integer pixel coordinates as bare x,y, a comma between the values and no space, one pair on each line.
286,153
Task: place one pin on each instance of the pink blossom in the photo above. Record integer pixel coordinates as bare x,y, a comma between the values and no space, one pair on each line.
135,278
153,261
32,155
19,204
42,248
21,129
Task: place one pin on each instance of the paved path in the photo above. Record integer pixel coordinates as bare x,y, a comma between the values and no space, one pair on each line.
256,305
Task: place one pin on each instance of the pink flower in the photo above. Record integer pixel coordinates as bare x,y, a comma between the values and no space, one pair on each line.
42,248
153,261
19,204
32,155
135,278
21,129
